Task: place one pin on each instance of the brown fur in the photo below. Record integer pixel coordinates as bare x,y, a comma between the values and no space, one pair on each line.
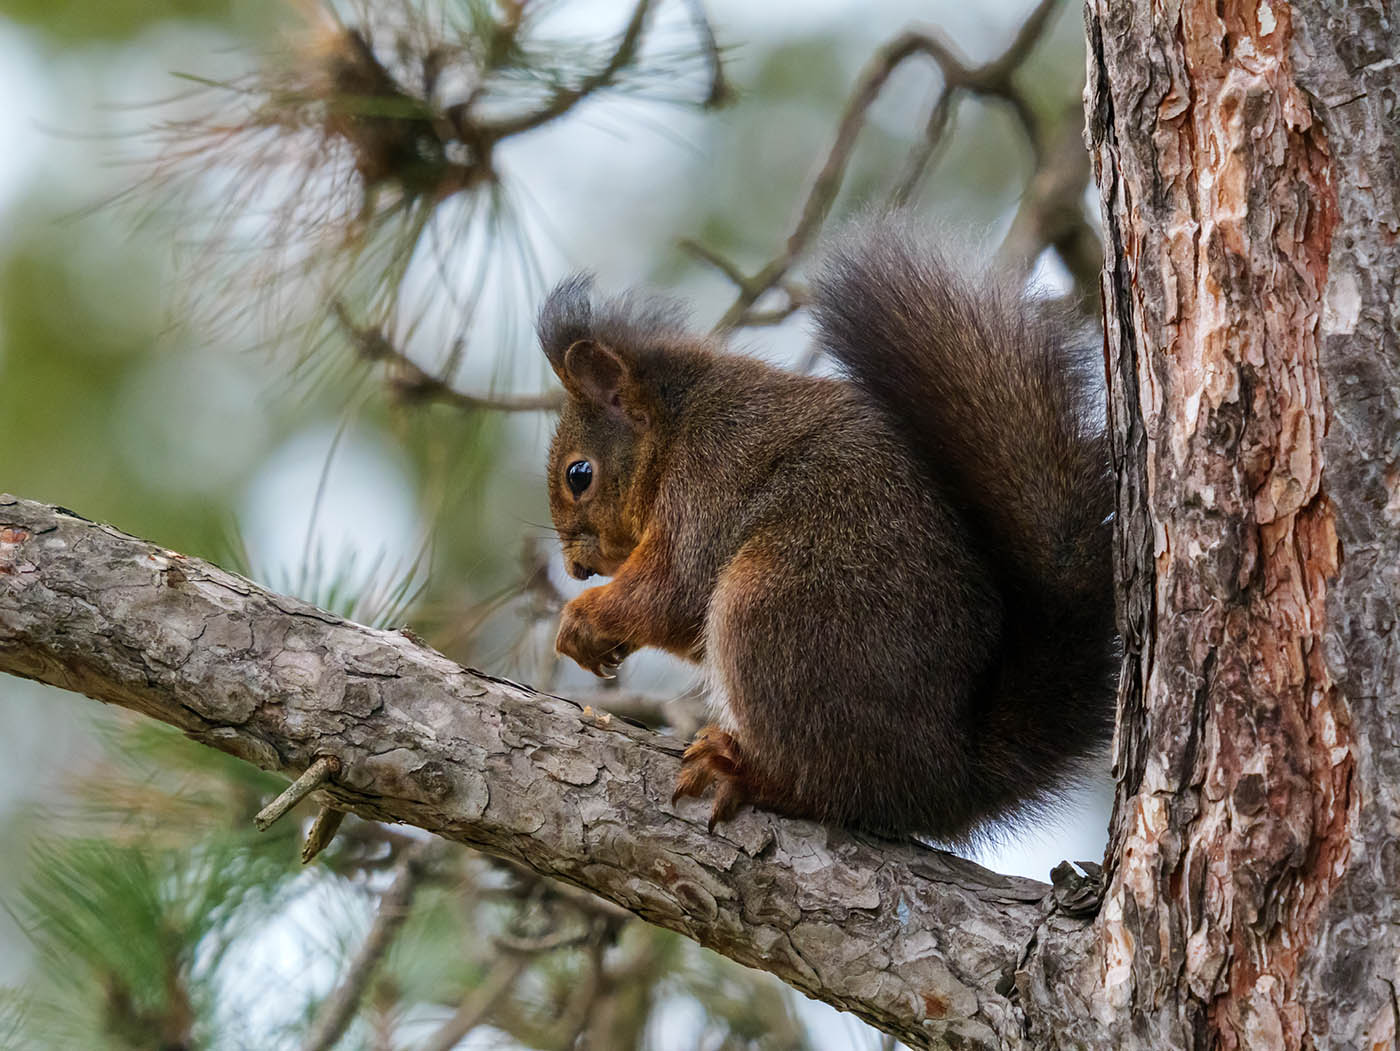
897,581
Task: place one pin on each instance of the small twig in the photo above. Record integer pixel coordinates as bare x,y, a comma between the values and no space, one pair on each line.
316,775
580,1010
996,79
566,99
336,1012
1052,213
922,155
479,1004
412,383
1027,37
776,316
323,830
545,943
993,79
714,259
720,92
872,81
833,170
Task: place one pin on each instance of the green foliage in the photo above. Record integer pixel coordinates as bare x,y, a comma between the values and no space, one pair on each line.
77,20
130,936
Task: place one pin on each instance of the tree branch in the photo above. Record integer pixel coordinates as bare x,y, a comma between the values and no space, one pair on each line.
479,1003
409,382
918,942
993,79
339,1008
565,99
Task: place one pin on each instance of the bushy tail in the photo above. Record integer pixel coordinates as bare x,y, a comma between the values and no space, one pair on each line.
998,399
995,393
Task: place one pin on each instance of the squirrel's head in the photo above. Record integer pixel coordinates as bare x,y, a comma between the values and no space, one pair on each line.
603,453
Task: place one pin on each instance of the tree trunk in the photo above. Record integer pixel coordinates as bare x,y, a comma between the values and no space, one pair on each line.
1248,158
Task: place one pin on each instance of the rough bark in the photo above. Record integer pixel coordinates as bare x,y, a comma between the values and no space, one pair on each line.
917,942
1247,160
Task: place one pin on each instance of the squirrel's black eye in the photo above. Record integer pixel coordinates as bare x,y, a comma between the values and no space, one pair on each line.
579,475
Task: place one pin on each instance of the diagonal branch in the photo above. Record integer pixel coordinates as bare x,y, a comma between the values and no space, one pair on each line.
337,1012
565,99
916,941
993,79
479,1003
409,382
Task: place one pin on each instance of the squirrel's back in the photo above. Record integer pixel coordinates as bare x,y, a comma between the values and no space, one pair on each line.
996,396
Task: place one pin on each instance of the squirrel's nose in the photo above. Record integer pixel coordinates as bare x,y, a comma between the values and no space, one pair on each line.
579,571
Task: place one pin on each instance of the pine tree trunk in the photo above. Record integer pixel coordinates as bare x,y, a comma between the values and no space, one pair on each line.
1248,158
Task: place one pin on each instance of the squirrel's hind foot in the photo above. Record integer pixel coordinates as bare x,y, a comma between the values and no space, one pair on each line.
713,758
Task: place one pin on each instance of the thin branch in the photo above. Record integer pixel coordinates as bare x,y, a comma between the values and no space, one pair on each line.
1025,41
411,383
566,99
317,774
714,259
322,831
720,92
921,156
579,1011
339,1008
877,73
1052,213
560,939
833,170
478,1005
992,79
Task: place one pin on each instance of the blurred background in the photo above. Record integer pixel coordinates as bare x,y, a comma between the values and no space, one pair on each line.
237,320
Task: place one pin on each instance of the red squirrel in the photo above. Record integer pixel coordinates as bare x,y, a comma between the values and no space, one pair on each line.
898,580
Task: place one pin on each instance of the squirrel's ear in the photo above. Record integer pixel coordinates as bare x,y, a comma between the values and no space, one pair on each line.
566,318
594,372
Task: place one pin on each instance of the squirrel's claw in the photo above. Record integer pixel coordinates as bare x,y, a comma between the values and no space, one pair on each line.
580,639
729,797
691,781
612,660
712,758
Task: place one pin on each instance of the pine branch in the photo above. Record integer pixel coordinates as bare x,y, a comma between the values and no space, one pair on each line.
566,99
915,941
409,382
480,1002
338,1010
1052,212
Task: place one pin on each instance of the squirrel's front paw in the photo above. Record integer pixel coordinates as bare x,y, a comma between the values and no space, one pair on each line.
580,639
713,758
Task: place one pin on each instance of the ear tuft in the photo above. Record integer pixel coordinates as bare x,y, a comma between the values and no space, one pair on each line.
566,318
